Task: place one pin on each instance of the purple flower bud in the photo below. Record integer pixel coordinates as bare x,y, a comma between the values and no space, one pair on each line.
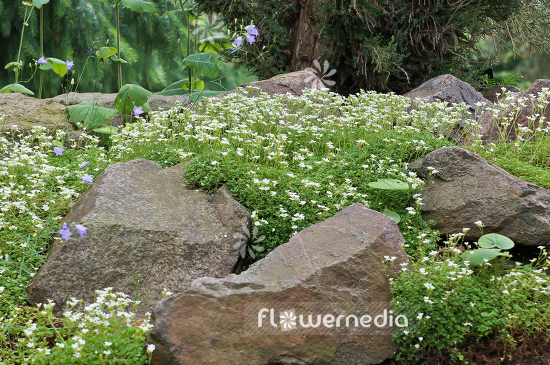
81,230
69,64
42,60
238,42
250,39
84,164
251,29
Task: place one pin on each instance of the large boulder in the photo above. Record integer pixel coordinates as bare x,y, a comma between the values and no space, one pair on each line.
146,232
25,112
293,83
534,105
452,91
338,261
468,188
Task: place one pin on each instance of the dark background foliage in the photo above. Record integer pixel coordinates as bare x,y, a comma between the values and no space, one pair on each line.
152,44
392,45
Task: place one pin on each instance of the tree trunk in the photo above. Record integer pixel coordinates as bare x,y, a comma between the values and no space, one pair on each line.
306,44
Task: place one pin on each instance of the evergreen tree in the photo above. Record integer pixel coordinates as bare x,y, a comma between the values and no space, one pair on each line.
385,44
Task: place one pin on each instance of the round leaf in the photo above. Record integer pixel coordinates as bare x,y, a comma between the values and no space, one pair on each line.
392,214
39,3
129,96
90,114
58,66
16,88
201,63
139,6
478,257
106,52
492,240
389,184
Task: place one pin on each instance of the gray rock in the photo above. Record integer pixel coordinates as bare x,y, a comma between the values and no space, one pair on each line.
490,128
451,90
339,260
468,188
23,113
146,232
293,83
490,93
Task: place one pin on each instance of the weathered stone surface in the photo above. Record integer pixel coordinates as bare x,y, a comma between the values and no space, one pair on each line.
467,188
156,102
490,93
23,113
490,128
453,91
146,232
293,83
338,260
449,89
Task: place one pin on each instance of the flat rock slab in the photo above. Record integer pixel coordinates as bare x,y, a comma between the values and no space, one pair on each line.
468,188
25,112
339,260
146,232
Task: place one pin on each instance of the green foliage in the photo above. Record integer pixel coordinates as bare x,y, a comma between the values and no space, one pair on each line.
150,42
89,116
511,79
491,246
130,96
105,332
391,45
16,88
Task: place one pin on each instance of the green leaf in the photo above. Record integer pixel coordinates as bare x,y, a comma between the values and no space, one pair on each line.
176,85
106,129
139,6
129,96
478,257
46,66
492,240
57,143
39,3
16,88
201,63
106,52
58,66
392,214
389,184
90,114
117,59
12,64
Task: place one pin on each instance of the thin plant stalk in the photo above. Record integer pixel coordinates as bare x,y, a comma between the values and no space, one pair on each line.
41,50
118,48
25,23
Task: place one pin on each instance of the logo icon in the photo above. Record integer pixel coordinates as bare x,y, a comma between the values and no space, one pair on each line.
322,81
208,30
250,243
288,320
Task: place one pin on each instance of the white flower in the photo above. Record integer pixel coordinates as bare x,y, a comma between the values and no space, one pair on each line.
429,286
150,348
